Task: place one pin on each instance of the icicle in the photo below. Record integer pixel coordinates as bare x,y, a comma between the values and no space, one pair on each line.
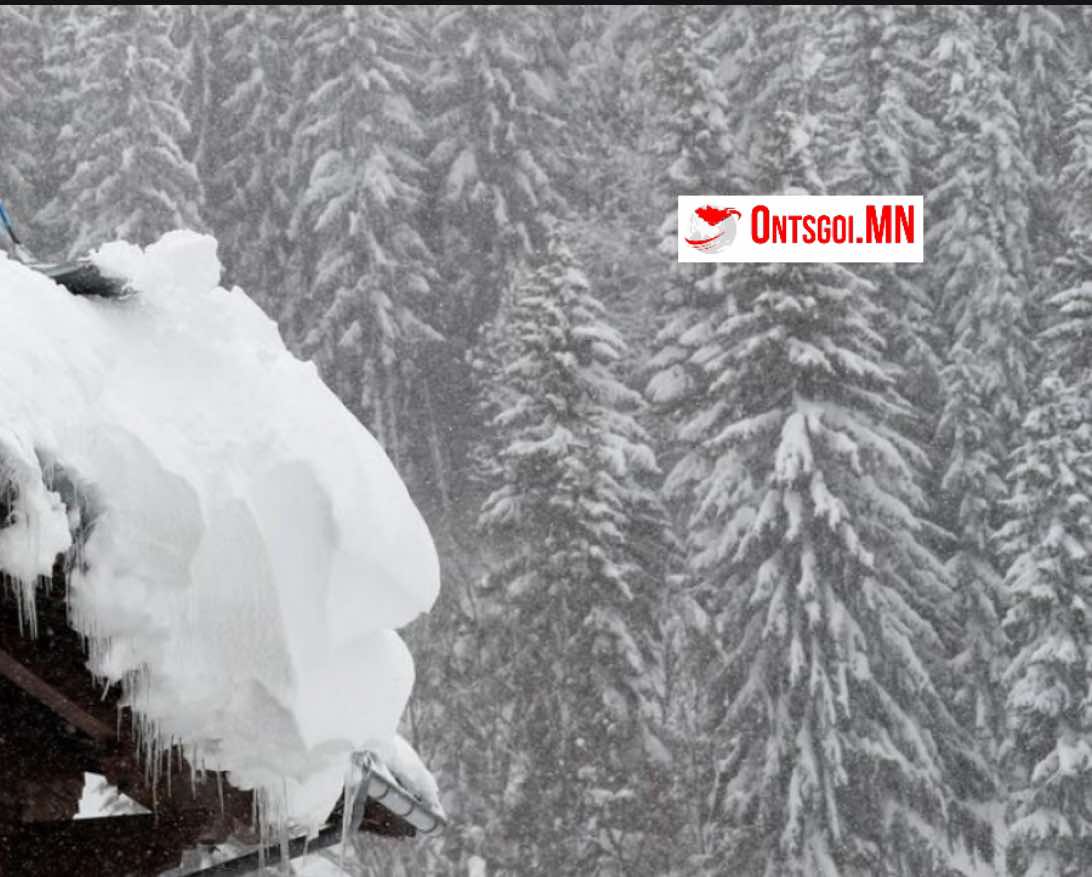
193,770
153,754
141,746
167,753
261,830
105,680
25,605
357,780
286,851
261,820
282,819
347,801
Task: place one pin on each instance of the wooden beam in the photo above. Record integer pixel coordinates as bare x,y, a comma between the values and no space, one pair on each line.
52,671
50,697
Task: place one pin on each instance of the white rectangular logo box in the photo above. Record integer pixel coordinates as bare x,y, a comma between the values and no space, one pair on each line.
801,228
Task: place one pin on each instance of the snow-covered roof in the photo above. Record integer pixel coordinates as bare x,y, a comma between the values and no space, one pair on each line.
250,549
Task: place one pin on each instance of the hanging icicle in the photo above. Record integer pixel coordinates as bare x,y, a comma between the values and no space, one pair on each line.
357,781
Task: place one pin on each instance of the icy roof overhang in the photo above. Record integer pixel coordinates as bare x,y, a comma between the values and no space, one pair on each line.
248,551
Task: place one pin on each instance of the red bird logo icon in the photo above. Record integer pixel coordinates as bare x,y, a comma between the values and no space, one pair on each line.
712,228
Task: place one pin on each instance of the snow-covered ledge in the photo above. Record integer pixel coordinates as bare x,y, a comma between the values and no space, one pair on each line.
244,550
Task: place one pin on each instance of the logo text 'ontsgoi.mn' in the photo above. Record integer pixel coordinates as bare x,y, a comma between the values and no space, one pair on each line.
799,227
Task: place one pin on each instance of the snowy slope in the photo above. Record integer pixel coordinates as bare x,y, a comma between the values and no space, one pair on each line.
250,550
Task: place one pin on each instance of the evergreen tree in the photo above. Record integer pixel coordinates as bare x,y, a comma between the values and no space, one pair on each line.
605,109
1050,589
1049,579
131,180
881,140
876,82
1075,176
839,753
693,137
1038,61
371,273
20,95
576,589
195,31
57,84
493,96
701,155
252,202
604,139
978,245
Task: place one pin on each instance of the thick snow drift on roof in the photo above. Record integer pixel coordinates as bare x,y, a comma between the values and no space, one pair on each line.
250,550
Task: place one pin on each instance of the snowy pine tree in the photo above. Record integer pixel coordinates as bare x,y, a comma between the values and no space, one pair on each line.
694,139
1039,60
875,73
57,84
979,249
577,589
1050,590
604,138
134,181
880,139
251,202
1075,176
1049,579
838,751
21,92
697,146
493,97
195,32
371,272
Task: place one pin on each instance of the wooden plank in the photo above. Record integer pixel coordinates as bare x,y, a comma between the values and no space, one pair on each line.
54,700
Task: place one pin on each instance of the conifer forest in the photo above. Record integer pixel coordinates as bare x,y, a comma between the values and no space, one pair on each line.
751,570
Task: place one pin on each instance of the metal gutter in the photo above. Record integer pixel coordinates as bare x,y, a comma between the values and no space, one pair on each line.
386,792
398,800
